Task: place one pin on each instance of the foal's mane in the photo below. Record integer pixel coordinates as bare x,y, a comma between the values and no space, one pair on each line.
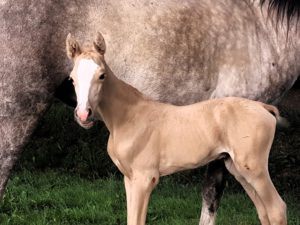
289,9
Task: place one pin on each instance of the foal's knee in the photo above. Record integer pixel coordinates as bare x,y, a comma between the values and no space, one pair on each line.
147,181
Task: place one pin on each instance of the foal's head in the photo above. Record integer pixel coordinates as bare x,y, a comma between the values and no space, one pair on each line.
88,75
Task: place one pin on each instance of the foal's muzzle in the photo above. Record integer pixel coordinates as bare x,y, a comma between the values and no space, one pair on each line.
84,118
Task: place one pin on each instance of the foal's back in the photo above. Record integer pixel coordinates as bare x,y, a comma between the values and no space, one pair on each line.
196,134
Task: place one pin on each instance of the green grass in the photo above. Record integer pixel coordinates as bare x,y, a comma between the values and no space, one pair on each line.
56,198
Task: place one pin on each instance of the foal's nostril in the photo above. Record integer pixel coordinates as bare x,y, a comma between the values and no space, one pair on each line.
89,112
75,113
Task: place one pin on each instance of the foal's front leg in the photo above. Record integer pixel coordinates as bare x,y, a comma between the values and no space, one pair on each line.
138,191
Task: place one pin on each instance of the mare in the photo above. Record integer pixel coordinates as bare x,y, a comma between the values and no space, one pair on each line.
149,139
174,51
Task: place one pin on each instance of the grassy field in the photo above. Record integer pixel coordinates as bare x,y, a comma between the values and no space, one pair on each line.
43,198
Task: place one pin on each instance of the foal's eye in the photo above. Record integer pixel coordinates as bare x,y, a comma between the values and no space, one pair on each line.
102,76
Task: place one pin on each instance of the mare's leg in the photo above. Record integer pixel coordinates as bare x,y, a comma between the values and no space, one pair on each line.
14,132
18,120
214,185
138,191
261,210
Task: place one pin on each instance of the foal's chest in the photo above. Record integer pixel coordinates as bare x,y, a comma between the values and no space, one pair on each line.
120,158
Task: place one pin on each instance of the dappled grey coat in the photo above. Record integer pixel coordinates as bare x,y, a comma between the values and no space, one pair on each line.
173,51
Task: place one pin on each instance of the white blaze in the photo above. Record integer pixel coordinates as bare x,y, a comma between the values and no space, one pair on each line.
85,73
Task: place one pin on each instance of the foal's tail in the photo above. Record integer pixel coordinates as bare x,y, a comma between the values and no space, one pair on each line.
281,121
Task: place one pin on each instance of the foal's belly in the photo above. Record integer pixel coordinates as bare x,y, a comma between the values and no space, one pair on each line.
177,157
188,144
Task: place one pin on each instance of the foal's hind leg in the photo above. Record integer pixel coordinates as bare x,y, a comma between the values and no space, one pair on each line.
258,178
214,185
273,203
261,210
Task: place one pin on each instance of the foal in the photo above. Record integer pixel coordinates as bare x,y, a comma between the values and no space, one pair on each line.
149,139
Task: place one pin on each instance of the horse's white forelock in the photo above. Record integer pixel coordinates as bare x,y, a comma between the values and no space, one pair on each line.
85,73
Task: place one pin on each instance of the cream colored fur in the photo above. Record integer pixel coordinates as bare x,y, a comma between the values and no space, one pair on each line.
149,139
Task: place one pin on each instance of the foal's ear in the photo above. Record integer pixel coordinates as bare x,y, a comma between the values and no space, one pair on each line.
72,47
99,44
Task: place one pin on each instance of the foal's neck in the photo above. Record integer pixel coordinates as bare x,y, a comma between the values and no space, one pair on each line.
119,102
